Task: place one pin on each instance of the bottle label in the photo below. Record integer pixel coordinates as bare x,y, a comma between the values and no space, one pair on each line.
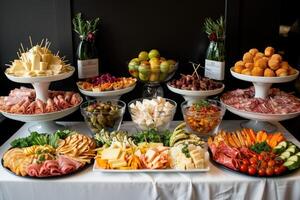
88,68
214,69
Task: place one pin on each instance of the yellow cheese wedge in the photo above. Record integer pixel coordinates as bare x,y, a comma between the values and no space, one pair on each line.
110,154
43,66
117,163
47,58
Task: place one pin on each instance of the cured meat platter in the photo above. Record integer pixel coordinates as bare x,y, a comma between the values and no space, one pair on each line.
45,156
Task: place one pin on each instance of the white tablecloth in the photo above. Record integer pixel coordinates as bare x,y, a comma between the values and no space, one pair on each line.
88,185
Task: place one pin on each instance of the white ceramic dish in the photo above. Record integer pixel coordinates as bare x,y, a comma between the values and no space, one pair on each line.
41,117
206,169
111,93
191,95
39,79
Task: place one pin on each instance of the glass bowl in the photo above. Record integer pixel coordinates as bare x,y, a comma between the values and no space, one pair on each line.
203,117
152,113
145,73
103,114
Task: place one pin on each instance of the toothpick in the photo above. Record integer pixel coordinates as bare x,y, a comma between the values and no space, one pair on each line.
41,42
8,65
57,53
30,40
18,55
22,47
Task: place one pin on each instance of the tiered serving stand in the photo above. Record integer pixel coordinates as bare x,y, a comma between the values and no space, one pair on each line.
262,121
195,95
41,122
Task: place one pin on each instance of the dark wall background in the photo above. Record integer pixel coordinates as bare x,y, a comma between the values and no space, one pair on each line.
127,27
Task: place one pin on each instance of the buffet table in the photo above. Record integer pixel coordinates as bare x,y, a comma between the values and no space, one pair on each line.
215,184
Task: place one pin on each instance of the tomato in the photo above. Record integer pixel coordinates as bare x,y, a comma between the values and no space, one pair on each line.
252,170
246,162
282,169
262,172
260,157
244,168
277,170
263,164
253,160
271,163
269,171
264,154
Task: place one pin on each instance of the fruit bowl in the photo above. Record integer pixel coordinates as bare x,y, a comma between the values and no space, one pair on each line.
152,113
152,69
203,117
100,115
153,75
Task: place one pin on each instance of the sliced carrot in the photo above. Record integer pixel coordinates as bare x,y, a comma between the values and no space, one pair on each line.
252,135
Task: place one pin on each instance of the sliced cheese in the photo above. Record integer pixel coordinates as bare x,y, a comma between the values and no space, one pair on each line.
35,61
43,66
110,154
47,58
117,163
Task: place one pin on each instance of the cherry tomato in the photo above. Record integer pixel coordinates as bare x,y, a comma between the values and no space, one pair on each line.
263,164
253,160
244,168
260,157
263,154
246,162
269,171
277,170
262,172
282,169
251,170
271,163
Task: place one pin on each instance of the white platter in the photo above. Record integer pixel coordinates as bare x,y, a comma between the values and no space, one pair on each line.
261,116
191,95
261,79
96,169
107,93
39,79
41,117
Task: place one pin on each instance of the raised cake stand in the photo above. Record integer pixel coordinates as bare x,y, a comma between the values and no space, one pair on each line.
42,122
261,121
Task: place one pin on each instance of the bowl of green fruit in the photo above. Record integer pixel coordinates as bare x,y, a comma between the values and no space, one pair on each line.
151,67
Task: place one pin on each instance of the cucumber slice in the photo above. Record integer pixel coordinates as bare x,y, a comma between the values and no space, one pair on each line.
283,144
292,149
279,149
293,158
291,165
286,155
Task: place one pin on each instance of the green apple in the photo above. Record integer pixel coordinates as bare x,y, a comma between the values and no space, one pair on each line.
172,64
164,66
154,77
144,77
153,54
144,67
135,60
143,55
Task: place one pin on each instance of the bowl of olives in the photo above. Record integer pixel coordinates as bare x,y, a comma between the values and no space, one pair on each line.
100,115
